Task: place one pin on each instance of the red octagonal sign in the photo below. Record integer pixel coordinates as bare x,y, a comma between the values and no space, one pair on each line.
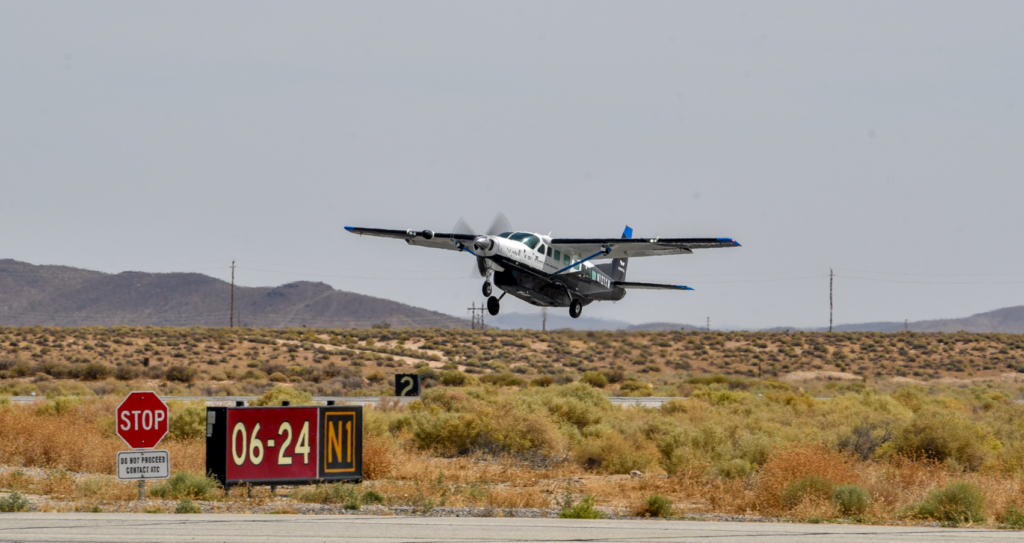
142,420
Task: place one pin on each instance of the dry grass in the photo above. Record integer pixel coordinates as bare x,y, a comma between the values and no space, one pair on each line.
787,466
80,439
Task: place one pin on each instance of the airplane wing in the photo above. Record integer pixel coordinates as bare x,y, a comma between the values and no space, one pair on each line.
649,286
637,247
422,238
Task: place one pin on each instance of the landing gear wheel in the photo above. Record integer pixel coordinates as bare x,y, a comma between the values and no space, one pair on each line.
575,309
493,306
487,288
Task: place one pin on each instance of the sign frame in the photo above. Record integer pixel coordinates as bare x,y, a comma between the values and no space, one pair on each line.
143,454
338,432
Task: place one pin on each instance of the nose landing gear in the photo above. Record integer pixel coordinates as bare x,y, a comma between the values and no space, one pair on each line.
487,288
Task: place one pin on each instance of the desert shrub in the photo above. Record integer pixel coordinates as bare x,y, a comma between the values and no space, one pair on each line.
456,378
786,466
343,493
372,497
376,376
187,507
958,502
94,371
813,487
584,508
943,436
594,379
632,387
124,372
1013,518
654,506
280,394
181,374
613,375
851,499
735,468
277,377
504,379
13,503
612,453
378,457
186,484
188,423
543,381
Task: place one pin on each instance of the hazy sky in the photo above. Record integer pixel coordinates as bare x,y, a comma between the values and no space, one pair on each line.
883,139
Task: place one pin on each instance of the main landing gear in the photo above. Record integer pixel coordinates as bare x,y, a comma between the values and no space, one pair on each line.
575,309
493,306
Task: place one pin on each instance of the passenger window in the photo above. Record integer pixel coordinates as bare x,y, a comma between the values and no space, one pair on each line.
565,260
549,252
593,275
558,256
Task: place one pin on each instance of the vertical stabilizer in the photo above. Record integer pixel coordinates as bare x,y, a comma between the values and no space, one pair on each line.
619,264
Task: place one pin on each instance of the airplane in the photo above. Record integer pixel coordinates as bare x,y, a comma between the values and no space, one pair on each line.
553,272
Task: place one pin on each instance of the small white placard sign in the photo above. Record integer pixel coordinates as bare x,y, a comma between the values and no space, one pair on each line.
135,465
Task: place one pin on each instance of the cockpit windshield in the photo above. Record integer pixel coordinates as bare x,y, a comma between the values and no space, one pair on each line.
504,234
529,240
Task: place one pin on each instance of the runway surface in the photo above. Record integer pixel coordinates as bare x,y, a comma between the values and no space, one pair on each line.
100,527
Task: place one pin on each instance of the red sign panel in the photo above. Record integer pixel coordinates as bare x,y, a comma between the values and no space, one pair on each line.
272,443
142,420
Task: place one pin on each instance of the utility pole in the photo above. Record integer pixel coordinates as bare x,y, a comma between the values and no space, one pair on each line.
544,322
232,319
477,321
831,276
709,324
906,325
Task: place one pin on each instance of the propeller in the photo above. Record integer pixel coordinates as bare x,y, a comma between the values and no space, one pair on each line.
500,225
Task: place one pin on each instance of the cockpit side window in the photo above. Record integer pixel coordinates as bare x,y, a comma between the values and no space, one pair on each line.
541,248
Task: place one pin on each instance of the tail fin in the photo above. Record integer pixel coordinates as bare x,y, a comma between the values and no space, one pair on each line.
619,264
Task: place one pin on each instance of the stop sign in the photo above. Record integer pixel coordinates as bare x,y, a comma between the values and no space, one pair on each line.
142,420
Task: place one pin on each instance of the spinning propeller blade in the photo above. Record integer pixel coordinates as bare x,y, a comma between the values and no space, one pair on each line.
498,226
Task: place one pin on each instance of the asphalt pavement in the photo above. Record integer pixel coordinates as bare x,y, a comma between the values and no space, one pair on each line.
225,528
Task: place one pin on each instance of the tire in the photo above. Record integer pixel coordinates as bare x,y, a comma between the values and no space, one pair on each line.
493,306
487,288
575,309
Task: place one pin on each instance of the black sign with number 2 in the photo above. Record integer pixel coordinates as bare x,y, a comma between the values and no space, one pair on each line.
407,384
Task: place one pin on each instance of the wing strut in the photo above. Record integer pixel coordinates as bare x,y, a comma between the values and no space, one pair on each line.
604,251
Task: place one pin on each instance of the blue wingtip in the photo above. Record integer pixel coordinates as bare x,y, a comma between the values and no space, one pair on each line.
683,287
732,241
350,228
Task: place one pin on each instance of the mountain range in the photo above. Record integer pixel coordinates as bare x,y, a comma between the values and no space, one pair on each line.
66,296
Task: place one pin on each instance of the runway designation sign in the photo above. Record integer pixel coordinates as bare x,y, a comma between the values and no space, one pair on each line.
142,465
284,445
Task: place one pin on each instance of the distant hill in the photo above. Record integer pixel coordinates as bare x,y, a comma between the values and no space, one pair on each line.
1008,320
65,296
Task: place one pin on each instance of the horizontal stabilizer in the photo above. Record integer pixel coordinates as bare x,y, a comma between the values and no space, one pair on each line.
649,286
